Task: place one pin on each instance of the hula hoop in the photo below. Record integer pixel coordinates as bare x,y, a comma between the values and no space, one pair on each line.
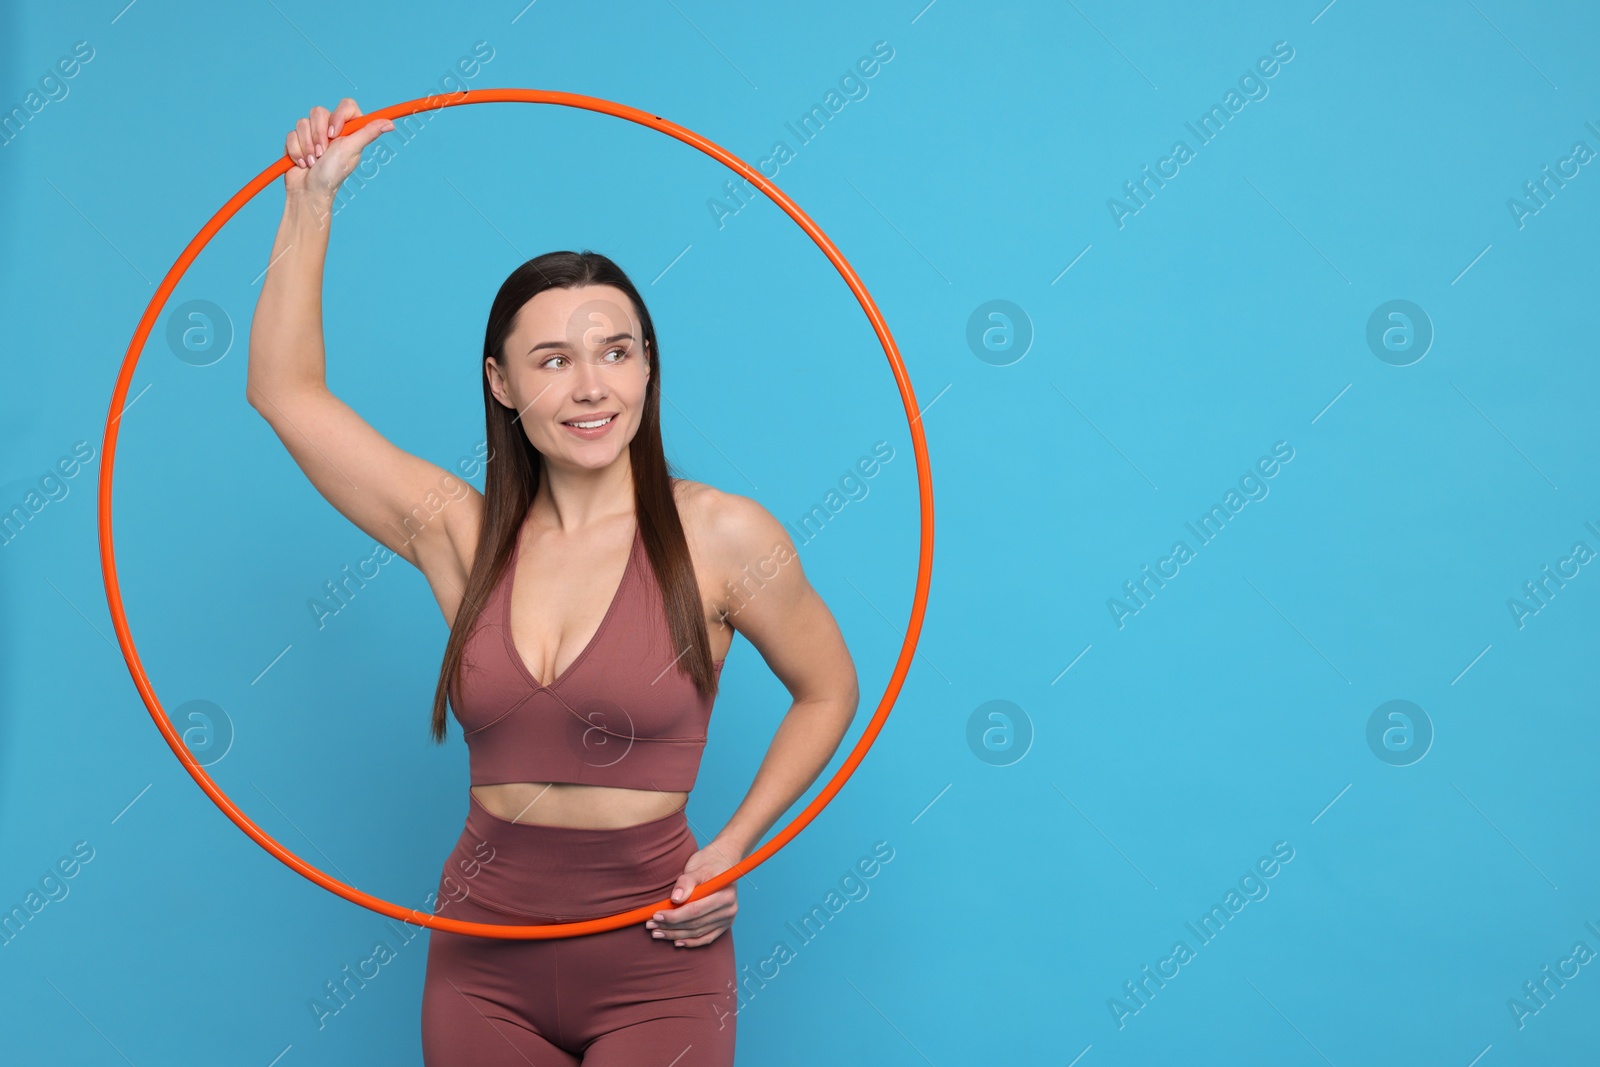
131,654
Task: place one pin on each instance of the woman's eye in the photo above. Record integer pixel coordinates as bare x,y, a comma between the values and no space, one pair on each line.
623,352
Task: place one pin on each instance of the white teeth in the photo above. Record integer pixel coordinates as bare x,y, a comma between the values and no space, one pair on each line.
591,425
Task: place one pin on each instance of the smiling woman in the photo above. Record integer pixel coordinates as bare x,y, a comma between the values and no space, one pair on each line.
586,590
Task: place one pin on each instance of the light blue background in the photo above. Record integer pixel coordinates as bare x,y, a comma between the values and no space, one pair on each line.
1228,314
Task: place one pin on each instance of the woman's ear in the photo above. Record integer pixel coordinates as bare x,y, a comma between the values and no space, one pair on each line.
491,370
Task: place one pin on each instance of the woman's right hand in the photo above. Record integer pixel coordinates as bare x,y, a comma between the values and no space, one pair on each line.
323,158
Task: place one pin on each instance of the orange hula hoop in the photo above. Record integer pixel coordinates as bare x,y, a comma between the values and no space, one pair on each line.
220,799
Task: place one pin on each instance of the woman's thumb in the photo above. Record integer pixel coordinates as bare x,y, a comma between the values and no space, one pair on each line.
684,886
369,133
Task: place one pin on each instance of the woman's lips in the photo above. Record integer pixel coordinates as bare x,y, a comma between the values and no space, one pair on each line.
594,432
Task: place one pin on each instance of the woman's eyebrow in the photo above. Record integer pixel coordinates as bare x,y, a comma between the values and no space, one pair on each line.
563,344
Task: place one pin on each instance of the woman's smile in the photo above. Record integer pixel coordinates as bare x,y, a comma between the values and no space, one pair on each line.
592,428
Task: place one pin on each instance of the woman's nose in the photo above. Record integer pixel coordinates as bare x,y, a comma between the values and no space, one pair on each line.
590,380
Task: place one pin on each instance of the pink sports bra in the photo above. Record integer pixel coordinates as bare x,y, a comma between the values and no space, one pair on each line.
622,714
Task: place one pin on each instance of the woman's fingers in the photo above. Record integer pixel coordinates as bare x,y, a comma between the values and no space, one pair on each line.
698,922
724,899
692,927
345,110
706,940
315,134
311,135
319,130
696,942
679,923
308,141
689,933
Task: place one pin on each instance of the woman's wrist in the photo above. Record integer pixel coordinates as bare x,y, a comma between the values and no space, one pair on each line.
318,206
733,844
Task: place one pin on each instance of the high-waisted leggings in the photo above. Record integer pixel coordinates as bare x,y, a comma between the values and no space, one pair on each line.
620,997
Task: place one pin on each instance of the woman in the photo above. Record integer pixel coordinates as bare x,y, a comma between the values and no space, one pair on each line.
585,717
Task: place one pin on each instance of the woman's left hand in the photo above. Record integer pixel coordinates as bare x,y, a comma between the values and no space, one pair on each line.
701,921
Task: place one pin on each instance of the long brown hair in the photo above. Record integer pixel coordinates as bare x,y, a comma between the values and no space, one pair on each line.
512,480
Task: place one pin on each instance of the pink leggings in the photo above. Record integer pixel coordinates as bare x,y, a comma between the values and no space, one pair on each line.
621,997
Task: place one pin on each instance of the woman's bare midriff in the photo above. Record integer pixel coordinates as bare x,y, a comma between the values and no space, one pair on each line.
593,807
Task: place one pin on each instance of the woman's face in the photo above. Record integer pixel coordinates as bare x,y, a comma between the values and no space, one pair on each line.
575,356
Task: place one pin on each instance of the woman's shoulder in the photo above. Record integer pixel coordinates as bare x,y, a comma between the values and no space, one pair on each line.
704,506
731,526
699,505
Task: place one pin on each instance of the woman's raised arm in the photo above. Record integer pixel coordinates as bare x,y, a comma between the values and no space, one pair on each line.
380,488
